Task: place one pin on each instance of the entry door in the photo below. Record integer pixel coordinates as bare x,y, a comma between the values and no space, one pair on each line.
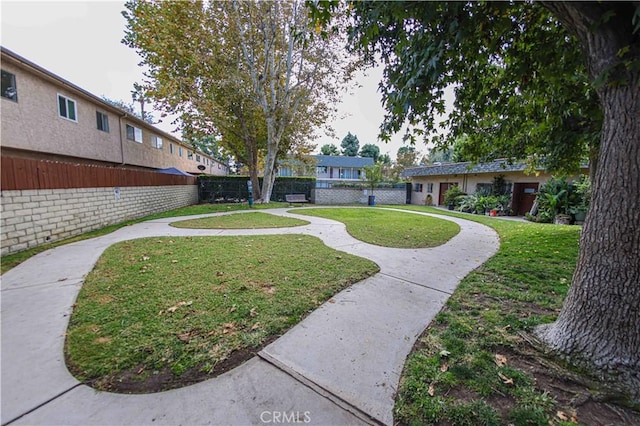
443,188
524,194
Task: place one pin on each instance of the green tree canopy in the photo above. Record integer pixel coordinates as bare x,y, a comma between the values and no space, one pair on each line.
370,150
502,59
350,145
329,149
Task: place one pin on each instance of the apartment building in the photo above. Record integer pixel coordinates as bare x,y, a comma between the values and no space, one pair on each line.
46,117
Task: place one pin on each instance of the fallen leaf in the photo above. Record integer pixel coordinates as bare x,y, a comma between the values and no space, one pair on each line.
228,327
332,300
255,326
219,273
174,261
184,337
500,360
431,391
140,370
233,308
562,416
444,367
145,258
505,379
253,313
444,353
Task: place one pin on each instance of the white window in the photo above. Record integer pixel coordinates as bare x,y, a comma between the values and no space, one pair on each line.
102,121
156,142
134,134
9,89
190,155
430,187
67,108
180,151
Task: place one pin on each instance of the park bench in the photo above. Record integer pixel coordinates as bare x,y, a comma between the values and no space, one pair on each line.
296,198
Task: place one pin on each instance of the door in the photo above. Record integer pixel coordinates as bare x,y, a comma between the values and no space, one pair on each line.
524,194
443,188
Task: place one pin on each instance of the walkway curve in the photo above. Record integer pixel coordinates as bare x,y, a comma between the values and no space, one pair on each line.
340,365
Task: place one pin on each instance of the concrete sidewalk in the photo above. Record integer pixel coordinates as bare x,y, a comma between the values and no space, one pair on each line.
341,365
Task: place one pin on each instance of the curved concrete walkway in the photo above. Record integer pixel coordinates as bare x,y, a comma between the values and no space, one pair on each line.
341,365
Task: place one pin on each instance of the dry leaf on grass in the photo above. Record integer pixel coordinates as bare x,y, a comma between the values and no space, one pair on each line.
177,305
253,313
255,326
431,391
500,360
505,379
444,367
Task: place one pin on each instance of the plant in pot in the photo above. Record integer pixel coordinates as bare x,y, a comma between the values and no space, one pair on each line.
581,198
453,197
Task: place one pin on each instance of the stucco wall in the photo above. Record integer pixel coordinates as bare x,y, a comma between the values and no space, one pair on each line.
467,183
30,218
357,196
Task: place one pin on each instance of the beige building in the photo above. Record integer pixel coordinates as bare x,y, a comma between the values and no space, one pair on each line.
429,183
47,117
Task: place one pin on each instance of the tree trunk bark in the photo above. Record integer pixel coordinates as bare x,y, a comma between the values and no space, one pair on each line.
598,328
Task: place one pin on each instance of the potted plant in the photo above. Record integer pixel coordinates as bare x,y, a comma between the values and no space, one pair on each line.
453,197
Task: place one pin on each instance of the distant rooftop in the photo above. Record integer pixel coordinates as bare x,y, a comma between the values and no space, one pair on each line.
343,161
465,168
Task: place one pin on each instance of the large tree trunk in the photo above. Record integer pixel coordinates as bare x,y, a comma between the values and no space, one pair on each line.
599,326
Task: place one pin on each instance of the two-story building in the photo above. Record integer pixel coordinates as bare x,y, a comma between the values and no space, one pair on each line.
46,117
327,169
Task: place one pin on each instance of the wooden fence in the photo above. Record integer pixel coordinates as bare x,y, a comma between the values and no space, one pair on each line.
23,173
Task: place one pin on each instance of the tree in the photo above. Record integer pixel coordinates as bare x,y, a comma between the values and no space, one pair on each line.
247,71
329,149
563,86
128,107
407,156
350,145
370,150
373,175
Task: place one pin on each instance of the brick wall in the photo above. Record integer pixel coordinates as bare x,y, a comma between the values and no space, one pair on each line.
357,196
30,218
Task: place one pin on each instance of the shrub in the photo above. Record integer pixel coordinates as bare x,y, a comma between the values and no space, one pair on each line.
453,196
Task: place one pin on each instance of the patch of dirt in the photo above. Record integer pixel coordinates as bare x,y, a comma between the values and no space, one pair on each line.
138,380
573,398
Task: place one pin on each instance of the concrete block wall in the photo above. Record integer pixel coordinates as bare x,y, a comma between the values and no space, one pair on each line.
29,218
357,196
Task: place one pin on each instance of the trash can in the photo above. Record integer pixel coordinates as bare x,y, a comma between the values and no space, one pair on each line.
372,200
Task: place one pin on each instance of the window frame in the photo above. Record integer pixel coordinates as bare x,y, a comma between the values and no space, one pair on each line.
102,119
156,142
67,100
135,133
429,187
14,83
417,187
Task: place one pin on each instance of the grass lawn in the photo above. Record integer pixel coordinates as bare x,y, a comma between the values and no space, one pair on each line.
473,364
390,228
12,260
254,220
160,313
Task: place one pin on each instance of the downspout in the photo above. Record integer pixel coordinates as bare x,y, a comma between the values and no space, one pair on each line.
121,140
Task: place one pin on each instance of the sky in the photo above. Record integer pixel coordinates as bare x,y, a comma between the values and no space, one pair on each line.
80,41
